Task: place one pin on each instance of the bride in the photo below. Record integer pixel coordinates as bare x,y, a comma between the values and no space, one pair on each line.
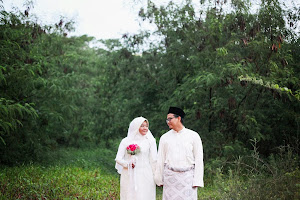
135,161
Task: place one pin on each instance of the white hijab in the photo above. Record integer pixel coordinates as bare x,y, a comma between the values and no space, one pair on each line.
134,126
133,131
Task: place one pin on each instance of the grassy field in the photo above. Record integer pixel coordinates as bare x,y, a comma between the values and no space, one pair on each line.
89,174
69,174
36,182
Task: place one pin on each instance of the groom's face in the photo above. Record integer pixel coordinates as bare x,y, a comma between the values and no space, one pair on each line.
172,120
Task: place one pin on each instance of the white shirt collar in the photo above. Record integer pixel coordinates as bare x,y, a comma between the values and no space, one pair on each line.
181,131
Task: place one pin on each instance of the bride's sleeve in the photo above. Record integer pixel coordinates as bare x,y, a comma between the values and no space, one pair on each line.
121,155
161,157
153,154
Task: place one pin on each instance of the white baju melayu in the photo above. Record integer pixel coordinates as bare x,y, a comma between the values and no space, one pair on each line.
180,164
137,183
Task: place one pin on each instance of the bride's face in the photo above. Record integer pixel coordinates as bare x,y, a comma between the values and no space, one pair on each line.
143,128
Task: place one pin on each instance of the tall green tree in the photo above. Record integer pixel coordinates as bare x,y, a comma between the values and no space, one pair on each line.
47,87
234,72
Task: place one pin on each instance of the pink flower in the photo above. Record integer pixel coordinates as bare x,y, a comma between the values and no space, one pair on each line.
133,149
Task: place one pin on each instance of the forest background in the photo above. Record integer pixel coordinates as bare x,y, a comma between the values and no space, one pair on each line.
64,105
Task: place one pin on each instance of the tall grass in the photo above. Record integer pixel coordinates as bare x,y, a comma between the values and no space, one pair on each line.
90,174
65,174
251,177
57,182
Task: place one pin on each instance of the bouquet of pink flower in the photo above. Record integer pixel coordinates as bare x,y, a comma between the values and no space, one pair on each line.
133,149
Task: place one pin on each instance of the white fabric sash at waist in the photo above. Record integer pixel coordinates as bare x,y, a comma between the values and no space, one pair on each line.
180,169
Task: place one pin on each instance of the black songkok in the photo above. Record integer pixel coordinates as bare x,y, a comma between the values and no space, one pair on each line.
176,111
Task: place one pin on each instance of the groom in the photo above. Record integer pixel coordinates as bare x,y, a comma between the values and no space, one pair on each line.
180,166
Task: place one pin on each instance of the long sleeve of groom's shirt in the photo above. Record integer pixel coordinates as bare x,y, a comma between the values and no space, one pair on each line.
199,165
